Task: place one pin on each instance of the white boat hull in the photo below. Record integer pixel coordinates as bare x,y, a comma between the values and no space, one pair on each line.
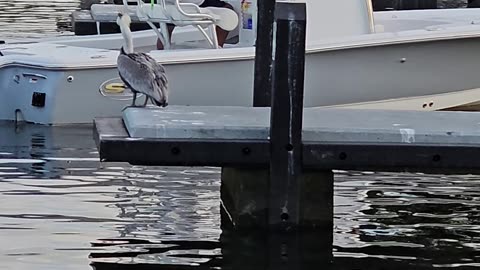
426,69
399,76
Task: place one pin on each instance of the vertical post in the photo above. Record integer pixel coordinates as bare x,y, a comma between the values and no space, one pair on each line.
262,85
417,4
287,115
282,195
473,4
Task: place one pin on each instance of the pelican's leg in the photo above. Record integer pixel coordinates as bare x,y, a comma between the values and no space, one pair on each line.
134,99
146,100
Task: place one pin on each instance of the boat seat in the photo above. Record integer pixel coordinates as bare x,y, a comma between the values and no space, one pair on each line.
109,12
225,18
182,14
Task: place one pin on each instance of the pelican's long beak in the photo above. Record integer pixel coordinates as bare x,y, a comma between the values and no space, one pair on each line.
123,18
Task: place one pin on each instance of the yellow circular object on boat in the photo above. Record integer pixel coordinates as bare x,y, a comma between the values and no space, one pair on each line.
114,88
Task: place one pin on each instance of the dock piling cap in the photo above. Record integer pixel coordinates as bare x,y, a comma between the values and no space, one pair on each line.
291,10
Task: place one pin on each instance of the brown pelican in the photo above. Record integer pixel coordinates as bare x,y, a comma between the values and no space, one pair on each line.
139,71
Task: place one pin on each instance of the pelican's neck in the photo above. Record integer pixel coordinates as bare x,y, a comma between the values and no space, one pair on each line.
127,37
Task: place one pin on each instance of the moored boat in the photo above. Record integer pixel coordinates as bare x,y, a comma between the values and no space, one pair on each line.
355,58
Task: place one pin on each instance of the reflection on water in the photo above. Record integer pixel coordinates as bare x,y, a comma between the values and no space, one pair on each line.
55,198
62,209
231,251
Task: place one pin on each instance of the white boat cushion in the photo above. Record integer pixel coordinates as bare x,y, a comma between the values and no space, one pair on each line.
228,19
225,18
109,12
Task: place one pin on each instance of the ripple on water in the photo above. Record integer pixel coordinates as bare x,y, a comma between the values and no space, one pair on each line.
25,19
19,161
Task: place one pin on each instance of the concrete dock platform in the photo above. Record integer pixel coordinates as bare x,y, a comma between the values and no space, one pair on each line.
319,125
332,138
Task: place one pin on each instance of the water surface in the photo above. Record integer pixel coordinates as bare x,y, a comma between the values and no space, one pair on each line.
36,18
60,208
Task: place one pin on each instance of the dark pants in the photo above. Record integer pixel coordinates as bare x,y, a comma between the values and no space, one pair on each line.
473,3
213,3
207,3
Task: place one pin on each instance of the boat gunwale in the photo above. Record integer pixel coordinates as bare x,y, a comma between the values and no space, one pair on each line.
317,47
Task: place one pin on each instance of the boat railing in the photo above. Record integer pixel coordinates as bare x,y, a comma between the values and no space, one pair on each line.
174,12
370,15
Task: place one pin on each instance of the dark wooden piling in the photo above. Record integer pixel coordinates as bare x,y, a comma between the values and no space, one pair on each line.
380,5
281,197
417,4
257,250
287,114
262,84
473,3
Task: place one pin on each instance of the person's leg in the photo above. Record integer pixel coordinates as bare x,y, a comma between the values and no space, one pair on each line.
221,34
170,28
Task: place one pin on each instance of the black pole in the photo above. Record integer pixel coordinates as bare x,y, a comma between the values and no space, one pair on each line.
473,3
417,4
287,114
262,84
